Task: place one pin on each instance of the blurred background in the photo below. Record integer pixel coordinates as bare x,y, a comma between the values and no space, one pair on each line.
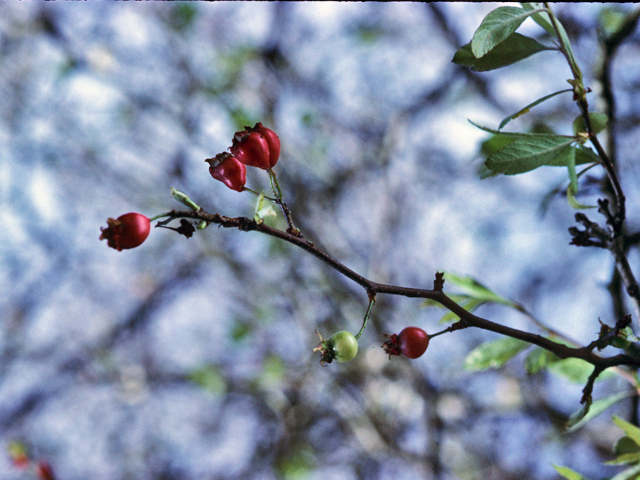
192,358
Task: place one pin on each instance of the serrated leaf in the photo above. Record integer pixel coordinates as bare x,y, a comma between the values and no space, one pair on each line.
514,48
630,430
530,152
496,27
569,474
493,354
598,123
579,418
530,106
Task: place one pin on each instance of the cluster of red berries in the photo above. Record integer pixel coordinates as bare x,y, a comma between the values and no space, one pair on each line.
21,460
254,147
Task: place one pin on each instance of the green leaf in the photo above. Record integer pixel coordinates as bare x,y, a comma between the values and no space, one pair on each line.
493,354
513,49
571,198
184,199
573,369
612,20
628,474
579,418
530,152
598,123
530,106
263,209
630,430
465,301
627,334
209,378
572,189
469,304
569,474
496,27
538,359
495,143
573,178
476,290
586,155
625,459
543,21
625,445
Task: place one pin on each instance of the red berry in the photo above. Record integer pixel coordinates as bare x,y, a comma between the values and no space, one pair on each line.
44,471
229,170
251,148
127,231
273,141
411,342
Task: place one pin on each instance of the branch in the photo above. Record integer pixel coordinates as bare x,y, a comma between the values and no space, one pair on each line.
467,319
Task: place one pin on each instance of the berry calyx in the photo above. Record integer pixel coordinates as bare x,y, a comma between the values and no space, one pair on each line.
411,342
229,170
251,148
127,231
342,346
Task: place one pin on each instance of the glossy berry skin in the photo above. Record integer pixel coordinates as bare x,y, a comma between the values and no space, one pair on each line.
342,346
127,231
251,149
411,342
272,140
229,170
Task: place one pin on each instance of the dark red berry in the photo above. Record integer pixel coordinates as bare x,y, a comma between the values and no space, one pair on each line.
127,231
229,170
251,148
44,471
411,342
272,140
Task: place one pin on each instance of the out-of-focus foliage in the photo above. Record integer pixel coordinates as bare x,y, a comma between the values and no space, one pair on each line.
192,358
